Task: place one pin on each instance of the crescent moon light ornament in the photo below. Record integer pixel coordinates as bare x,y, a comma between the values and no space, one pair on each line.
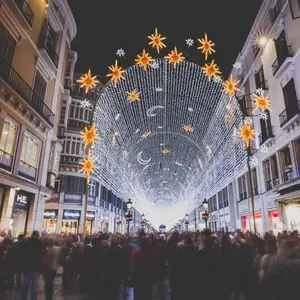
151,109
142,161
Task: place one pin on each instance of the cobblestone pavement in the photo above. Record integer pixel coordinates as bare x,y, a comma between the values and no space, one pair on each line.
59,294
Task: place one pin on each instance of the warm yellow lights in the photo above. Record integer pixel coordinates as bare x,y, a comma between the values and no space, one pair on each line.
165,150
206,46
156,41
230,86
247,133
146,133
133,96
211,70
116,73
188,128
262,41
144,60
87,166
174,57
88,81
262,102
90,135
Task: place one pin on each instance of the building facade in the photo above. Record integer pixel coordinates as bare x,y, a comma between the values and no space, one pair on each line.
35,38
270,62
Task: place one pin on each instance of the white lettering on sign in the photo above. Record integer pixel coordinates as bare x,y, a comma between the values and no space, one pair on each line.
22,199
49,214
90,215
71,214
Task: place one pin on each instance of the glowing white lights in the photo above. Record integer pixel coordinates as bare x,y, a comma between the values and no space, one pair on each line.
189,42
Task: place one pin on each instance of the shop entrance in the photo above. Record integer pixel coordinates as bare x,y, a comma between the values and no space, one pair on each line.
50,220
70,222
90,217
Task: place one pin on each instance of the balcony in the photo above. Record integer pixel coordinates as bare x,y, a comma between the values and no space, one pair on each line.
5,160
17,83
267,134
283,60
288,116
276,181
70,159
27,171
288,175
48,49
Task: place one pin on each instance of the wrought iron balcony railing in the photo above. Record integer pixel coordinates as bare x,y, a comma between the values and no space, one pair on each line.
284,53
288,114
16,82
266,134
26,10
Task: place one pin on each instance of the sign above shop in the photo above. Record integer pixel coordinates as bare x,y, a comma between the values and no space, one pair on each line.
90,215
71,215
21,201
50,214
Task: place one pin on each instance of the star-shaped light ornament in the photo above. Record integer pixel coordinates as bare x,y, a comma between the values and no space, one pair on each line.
259,91
85,103
156,41
155,65
165,150
120,52
263,115
211,70
264,149
133,96
116,73
146,133
188,128
237,65
90,135
144,60
88,81
247,133
174,57
206,46
158,89
262,102
249,121
230,87
253,162
167,169
189,42
217,79
88,166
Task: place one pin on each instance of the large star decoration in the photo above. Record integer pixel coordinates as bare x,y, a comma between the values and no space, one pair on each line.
133,96
206,46
144,60
174,57
116,73
90,135
165,150
211,70
247,133
262,102
188,128
230,86
156,41
88,166
88,81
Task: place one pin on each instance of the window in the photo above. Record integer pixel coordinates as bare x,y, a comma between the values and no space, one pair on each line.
260,81
242,187
214,204
7,45
297,155
286,164
223,198
7,144
254,182
39,89
73,185
30,155
73,145
282,51
267,175
92,188
80,113
291,102
275,11
274,170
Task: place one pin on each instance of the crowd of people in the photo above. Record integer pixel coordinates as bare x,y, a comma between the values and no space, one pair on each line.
198,265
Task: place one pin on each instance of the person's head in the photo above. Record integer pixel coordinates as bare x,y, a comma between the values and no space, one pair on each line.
260,246
87,241
145,243
104,245
271,246
35,234
21,237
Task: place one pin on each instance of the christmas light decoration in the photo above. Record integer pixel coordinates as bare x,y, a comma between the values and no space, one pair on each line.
90,135
247,133
120,52
116,73
88,166
230,86
156,40
261,102
88,81
133,96
217,79
211,70
206,46
155,65
259,91
249,120
188,128
144,60
237,65
146,133
264,149
165,150
174,57
263,115
253,162
189,42
85,103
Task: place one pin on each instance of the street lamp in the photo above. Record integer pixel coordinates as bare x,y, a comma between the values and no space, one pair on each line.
205,214
129,204
187,222
128,215
205,204
143,217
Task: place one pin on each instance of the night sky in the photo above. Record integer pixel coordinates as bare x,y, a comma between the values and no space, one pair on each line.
107,25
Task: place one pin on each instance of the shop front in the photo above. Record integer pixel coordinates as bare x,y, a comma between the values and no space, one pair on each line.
70,222
248,224
50,220
275,223
20,213
90,217
292,215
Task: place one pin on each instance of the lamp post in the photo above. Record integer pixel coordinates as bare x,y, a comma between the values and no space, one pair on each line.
128,215
187,222
205,214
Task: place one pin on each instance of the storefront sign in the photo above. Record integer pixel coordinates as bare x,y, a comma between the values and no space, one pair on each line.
21,201
90,215
71,215
50,214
